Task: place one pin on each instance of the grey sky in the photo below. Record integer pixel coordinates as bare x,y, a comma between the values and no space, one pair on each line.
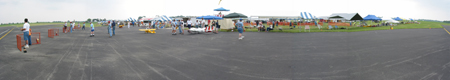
63,10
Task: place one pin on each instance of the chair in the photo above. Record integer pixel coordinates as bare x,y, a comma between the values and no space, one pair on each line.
307,27
329,27
336,26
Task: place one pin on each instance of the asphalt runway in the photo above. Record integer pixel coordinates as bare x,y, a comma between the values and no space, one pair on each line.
402,54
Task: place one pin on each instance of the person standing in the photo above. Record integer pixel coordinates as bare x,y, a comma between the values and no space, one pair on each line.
92,30
277,23
189,23
181,27
197,24
257,23
109,27
65,27
173,24
84,24
240,28
128,25
273,24
163,24
114,28
26,33
71,26
202,23
217,26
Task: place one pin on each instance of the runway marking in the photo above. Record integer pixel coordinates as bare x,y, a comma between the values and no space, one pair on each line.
126,62
444,29
6,34
4,31
428,76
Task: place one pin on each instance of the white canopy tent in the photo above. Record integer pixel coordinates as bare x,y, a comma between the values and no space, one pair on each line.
390,20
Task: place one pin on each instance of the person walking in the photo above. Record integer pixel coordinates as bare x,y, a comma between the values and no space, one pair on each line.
240,28
26,33
92,30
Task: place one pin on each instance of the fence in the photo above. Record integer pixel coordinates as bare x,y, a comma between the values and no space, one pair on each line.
35,39
53,32
339,24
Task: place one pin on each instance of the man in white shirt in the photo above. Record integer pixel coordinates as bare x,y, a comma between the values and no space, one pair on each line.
202,23
197,24
73,25
189,23
65,27
173,24
26,33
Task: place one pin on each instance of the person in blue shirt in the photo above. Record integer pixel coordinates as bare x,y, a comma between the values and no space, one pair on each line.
84,24
240,28
71,26
92,29
180,25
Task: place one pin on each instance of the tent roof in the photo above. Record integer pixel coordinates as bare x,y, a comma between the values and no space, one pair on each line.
371,17
397,18
209,17
235,15
282,17
336,16
221,9
348,16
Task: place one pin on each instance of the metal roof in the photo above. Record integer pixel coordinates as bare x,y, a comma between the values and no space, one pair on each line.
348,16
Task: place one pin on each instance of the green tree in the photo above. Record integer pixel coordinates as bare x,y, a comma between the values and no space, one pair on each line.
88,20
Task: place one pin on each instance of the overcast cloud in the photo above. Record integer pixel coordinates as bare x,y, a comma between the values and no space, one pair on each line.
63,10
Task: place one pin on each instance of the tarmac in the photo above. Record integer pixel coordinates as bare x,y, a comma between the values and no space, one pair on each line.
400,54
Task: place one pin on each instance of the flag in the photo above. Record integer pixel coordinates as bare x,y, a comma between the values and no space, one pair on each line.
220,1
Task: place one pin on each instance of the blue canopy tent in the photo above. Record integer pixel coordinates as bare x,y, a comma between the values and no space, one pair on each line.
221,9
398,19
371,17
209,17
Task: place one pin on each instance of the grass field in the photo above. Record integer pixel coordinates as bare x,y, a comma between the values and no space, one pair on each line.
423,25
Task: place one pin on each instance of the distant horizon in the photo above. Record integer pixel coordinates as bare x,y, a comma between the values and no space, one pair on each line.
81,10
124,19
